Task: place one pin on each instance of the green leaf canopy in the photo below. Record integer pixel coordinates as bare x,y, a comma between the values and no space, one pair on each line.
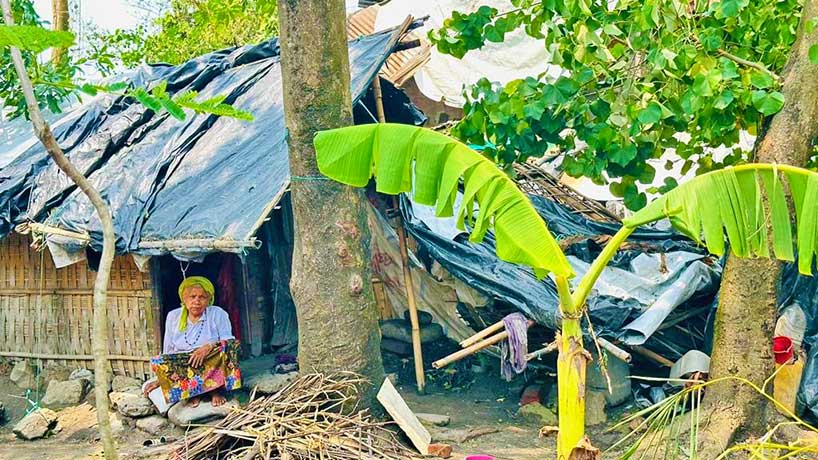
402,156
730,201
34,38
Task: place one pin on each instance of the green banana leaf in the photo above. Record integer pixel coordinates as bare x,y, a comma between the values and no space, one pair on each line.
402,156
730,201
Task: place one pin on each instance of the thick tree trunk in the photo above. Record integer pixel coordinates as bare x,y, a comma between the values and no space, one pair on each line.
745,320
59,14
100,324
337,318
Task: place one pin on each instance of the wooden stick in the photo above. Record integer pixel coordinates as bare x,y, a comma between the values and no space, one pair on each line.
614,350
252,243
542,351
420,376
652,355
20,354
413,309
457,356
482,334
376,87
48,229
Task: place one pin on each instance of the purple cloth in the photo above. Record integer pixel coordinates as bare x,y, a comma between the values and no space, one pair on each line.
515,348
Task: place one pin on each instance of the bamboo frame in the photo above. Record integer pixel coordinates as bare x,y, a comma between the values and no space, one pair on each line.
36,227
17,354
482,334
45,312
251,243
417,348
472,349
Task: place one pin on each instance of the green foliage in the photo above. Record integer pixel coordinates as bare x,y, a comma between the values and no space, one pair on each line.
30,34
730,200
637,74
191,28
53,86
405,158
34,38
159,100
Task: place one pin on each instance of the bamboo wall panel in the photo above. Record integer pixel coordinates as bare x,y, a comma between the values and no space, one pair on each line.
48,311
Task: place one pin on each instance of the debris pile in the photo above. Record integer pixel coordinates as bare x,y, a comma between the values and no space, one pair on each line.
312,418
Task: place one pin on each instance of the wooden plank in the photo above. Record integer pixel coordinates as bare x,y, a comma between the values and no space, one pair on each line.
394,404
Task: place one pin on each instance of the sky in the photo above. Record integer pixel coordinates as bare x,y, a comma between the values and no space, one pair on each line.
106,14
113,14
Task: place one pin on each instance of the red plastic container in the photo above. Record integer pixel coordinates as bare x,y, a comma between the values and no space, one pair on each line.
782,349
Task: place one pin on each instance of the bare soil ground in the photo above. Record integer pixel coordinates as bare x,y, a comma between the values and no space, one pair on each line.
487,405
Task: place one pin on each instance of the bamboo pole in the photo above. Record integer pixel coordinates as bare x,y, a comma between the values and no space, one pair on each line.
482,334
20,354
472,349
417,349
652,355
614,350
551,347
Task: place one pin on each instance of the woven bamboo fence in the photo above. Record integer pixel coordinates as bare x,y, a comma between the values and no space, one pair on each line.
46,313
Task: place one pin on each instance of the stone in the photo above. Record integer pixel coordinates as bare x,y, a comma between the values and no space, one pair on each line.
537,413
595,403
461,435
131,405
424,318
397,347
182,414
398,329
82,374
266,383
153,424
23,376
62,394
36,424
122,384
433,419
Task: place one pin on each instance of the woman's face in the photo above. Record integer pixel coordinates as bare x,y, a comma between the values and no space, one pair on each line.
196,300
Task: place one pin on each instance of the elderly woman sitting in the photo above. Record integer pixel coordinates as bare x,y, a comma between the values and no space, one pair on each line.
199,353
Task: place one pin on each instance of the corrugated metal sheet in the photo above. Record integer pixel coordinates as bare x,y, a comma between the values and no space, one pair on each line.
401,65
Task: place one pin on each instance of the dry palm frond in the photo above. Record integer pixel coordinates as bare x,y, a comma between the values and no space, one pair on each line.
312,418
664,431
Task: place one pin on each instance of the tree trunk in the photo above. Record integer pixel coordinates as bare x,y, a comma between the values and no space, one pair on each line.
745,320
59,14
337,318
100,324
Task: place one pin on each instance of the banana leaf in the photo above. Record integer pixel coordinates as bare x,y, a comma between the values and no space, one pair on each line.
405,158
730,201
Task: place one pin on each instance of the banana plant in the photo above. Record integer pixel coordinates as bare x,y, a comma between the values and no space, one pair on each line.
434,167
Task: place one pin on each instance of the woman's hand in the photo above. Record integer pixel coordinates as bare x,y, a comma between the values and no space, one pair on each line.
150,387
198,355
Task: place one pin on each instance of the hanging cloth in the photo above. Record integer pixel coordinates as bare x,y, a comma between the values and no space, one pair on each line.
515,348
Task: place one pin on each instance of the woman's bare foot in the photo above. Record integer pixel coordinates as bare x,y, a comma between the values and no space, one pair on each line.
193,402
217,399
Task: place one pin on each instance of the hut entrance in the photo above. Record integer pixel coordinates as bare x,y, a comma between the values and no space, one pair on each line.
252,288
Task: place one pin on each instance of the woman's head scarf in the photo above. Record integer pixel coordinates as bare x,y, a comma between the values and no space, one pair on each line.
190,281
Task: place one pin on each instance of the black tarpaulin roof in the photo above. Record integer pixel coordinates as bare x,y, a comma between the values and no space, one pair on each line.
202,180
